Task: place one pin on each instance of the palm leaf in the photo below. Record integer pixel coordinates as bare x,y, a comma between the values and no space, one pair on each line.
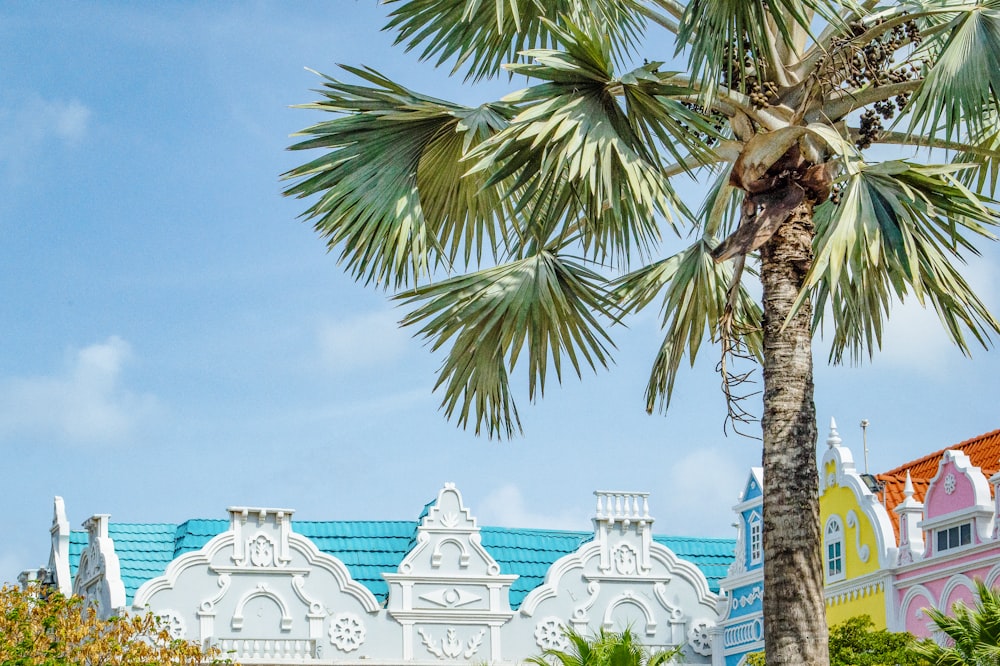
984,154
898,230
542,305
392,193
963,82
481,36
695,293
578,159
719,33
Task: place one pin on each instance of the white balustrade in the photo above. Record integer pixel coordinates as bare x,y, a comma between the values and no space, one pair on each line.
267,649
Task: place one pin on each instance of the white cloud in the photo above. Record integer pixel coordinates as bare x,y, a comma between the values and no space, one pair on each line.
914,336
85,403
27,125
362,341
505,507
697,494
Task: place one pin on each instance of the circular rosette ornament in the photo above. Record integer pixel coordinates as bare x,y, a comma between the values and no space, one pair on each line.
347,632
700,636
550,634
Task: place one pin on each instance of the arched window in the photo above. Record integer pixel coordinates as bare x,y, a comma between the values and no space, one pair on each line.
756,542
833,547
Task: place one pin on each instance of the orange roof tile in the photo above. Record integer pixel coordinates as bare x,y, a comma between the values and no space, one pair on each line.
983,451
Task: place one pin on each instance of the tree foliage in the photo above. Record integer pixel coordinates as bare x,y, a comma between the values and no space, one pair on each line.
606,648
520,232
41,627
970,636
856,642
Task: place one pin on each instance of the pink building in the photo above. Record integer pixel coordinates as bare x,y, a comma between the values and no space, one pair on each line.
945,516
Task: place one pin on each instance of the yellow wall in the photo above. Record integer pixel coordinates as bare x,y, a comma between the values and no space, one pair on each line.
839,500
872,605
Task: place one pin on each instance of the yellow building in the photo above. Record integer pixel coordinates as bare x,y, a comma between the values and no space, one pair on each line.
859,543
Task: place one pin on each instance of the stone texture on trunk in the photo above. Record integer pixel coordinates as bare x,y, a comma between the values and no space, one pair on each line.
795,630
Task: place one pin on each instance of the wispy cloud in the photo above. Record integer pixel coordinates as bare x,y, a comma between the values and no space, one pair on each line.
86,403
698,493
915,338
506,507
29,124
363,341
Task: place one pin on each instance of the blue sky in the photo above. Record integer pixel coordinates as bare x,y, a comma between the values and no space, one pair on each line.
175,341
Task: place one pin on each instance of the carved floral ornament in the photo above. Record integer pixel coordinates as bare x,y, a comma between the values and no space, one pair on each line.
700,636
172,622
550,634
347,632
451,647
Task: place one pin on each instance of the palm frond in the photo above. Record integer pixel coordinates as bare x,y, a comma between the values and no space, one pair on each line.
721,33
592,162
962,82
543,305
984,155
899,229
481,36
695,293
392,193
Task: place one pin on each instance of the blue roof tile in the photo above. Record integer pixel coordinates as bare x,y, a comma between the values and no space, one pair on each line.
371,548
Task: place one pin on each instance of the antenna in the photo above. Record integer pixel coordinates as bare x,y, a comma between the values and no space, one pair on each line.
864,440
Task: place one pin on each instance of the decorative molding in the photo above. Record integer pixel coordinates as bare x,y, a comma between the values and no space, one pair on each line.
755,594
628,597
261,590
852,521
450,647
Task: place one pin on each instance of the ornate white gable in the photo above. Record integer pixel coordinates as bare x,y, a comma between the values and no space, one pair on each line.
448,593
622,578
260,591
58,568
98,577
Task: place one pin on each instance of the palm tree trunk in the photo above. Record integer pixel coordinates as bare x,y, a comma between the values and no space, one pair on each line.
795,631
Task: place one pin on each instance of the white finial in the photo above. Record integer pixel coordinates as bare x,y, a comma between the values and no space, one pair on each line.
834,438
908,487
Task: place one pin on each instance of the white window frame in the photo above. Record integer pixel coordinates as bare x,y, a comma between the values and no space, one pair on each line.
833,538
756,538
953,537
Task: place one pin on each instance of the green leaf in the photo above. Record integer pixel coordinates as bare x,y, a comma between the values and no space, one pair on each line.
391,190
899,229
963,81
711,29
543,305
580,162
695,292
480,36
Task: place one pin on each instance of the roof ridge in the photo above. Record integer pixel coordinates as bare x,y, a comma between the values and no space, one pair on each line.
901,469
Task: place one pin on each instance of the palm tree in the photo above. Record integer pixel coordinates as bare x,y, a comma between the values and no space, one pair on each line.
972,634
524,228
607,648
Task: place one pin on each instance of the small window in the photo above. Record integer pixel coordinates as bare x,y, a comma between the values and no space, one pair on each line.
756,544
834,540
954,537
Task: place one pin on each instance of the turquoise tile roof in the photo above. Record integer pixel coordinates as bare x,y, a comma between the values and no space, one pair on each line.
371,548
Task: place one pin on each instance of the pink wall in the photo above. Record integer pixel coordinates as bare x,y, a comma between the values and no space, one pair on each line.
939,502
